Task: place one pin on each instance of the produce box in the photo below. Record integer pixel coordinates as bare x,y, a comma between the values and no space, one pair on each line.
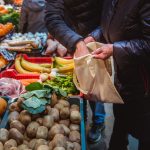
72,100
12,73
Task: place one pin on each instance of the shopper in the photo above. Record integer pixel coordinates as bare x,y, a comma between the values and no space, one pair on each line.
70,21
126,28
32,16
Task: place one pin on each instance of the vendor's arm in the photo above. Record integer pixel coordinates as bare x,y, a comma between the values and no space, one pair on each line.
57,26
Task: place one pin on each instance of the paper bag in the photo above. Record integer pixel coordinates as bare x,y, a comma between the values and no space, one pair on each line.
92,78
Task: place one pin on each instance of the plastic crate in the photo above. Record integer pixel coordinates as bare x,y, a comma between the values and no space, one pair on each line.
72,100
12,73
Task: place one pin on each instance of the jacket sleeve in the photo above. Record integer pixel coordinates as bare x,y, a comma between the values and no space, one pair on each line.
137,50
23,19
98,35
58,27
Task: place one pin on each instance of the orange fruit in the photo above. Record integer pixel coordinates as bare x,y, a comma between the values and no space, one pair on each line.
3,106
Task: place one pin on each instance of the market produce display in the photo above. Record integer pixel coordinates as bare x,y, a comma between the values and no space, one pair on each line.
25,67
58,127
63,84
25,42
38,114
3,106
5,29
3,62
18,2
8,14
63,65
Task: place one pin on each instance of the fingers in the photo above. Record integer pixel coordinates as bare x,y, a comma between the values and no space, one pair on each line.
89,39
97,51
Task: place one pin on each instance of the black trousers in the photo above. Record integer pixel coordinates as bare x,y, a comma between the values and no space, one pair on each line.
133,119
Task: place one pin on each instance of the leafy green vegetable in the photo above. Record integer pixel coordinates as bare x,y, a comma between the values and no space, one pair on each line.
34,86
62,85
12,17
35,101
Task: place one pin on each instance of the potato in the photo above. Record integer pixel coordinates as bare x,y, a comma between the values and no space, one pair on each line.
40,142
55,114
34,117
65,103
66,130
59,106
51,145
25,117
75,117
16,135
65,122
18,125
25,142
48,109
74,107
56,129
59,148
48,121
42,133
10,143
74,136
59,141
77,146
70,146
22,147
26,137
1,146
43,147
39,121
4,134
54,99
32,129
74,127
32,143
20,101
13,148
14,107
65,113
13,116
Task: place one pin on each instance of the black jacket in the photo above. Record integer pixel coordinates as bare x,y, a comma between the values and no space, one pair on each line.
71,20
126,24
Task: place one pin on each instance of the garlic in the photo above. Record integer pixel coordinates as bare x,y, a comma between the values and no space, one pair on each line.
44,77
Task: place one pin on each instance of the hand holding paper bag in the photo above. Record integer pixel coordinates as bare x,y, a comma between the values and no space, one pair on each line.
93,78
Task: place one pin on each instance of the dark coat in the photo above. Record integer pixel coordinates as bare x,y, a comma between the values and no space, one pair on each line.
126,24
71,20
32,16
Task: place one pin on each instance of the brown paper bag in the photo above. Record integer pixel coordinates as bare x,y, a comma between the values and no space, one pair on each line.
92,78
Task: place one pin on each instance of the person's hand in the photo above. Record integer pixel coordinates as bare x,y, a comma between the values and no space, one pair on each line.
89,39
104,52
61,50
81,49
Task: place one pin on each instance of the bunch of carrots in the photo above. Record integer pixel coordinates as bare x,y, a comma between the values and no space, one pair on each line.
26,82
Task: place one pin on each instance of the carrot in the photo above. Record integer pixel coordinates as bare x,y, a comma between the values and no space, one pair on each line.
28,81
25,83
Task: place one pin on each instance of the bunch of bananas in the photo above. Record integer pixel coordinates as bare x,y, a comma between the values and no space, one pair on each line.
64,65
25,67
